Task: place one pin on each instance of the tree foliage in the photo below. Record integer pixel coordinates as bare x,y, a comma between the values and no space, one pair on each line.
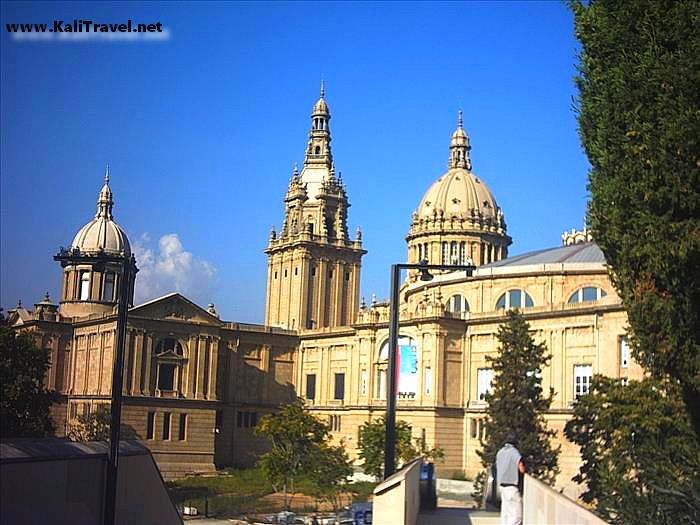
94,426
516,402
372,439
25,403
639,121
299,447
640,462
330,470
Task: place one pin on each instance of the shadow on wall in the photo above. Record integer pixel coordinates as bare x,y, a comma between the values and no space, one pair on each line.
249,393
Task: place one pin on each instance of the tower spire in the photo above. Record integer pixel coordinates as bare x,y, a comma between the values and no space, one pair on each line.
318,151
459,147
104,199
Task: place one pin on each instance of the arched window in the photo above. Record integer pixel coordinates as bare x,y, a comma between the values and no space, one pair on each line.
588,293
169,345
462,252
445,252
317,151
407,368
457,304
514,299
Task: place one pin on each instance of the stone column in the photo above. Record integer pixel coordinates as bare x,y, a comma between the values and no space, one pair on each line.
135,387
147,361
213,366
199,377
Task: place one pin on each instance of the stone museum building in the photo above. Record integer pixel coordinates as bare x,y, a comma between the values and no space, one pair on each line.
195,386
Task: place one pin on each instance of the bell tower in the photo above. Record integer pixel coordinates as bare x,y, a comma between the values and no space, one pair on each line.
313,268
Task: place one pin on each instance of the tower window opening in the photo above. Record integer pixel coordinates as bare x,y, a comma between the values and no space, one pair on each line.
84,286
108,287
317,151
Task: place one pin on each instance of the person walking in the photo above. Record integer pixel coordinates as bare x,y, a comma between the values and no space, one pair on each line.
509,467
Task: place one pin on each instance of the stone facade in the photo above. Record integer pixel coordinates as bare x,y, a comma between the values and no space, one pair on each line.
195,386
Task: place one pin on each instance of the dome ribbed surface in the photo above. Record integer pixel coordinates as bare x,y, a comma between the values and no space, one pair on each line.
102,235
458,193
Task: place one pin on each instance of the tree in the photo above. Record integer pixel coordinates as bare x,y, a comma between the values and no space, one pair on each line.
639,121
299,444
640,462
25,402
516,403
329,473
372,439
94,426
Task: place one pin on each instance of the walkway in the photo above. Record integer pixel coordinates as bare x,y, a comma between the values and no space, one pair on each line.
451,512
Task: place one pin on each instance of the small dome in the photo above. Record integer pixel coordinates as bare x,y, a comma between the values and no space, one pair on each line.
321,108
458,193
102,234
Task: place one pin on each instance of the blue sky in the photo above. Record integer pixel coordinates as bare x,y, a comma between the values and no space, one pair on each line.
202,130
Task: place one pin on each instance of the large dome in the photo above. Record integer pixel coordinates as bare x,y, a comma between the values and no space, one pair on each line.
460,194
102,234
458,218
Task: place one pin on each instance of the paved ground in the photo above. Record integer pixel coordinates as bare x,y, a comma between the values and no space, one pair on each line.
455,512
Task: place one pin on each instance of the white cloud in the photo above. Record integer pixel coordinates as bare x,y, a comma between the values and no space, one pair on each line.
171,268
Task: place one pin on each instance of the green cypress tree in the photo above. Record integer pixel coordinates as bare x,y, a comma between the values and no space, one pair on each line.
517,402
639,121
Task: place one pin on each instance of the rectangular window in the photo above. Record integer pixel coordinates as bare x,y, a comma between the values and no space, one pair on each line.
582,379
246,419
339,391
84,286
474,428
363,382
253,419
484,376
624,353
428,380
166,426
239,419
310,386
182,431
150,425
381,384
108,287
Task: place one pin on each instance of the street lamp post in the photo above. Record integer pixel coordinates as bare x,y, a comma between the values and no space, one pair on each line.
125,264
390,433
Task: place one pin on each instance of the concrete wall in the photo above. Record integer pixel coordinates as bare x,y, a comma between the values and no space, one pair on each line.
542,504
397,498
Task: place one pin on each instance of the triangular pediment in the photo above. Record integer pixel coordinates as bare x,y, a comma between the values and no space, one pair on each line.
174,307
